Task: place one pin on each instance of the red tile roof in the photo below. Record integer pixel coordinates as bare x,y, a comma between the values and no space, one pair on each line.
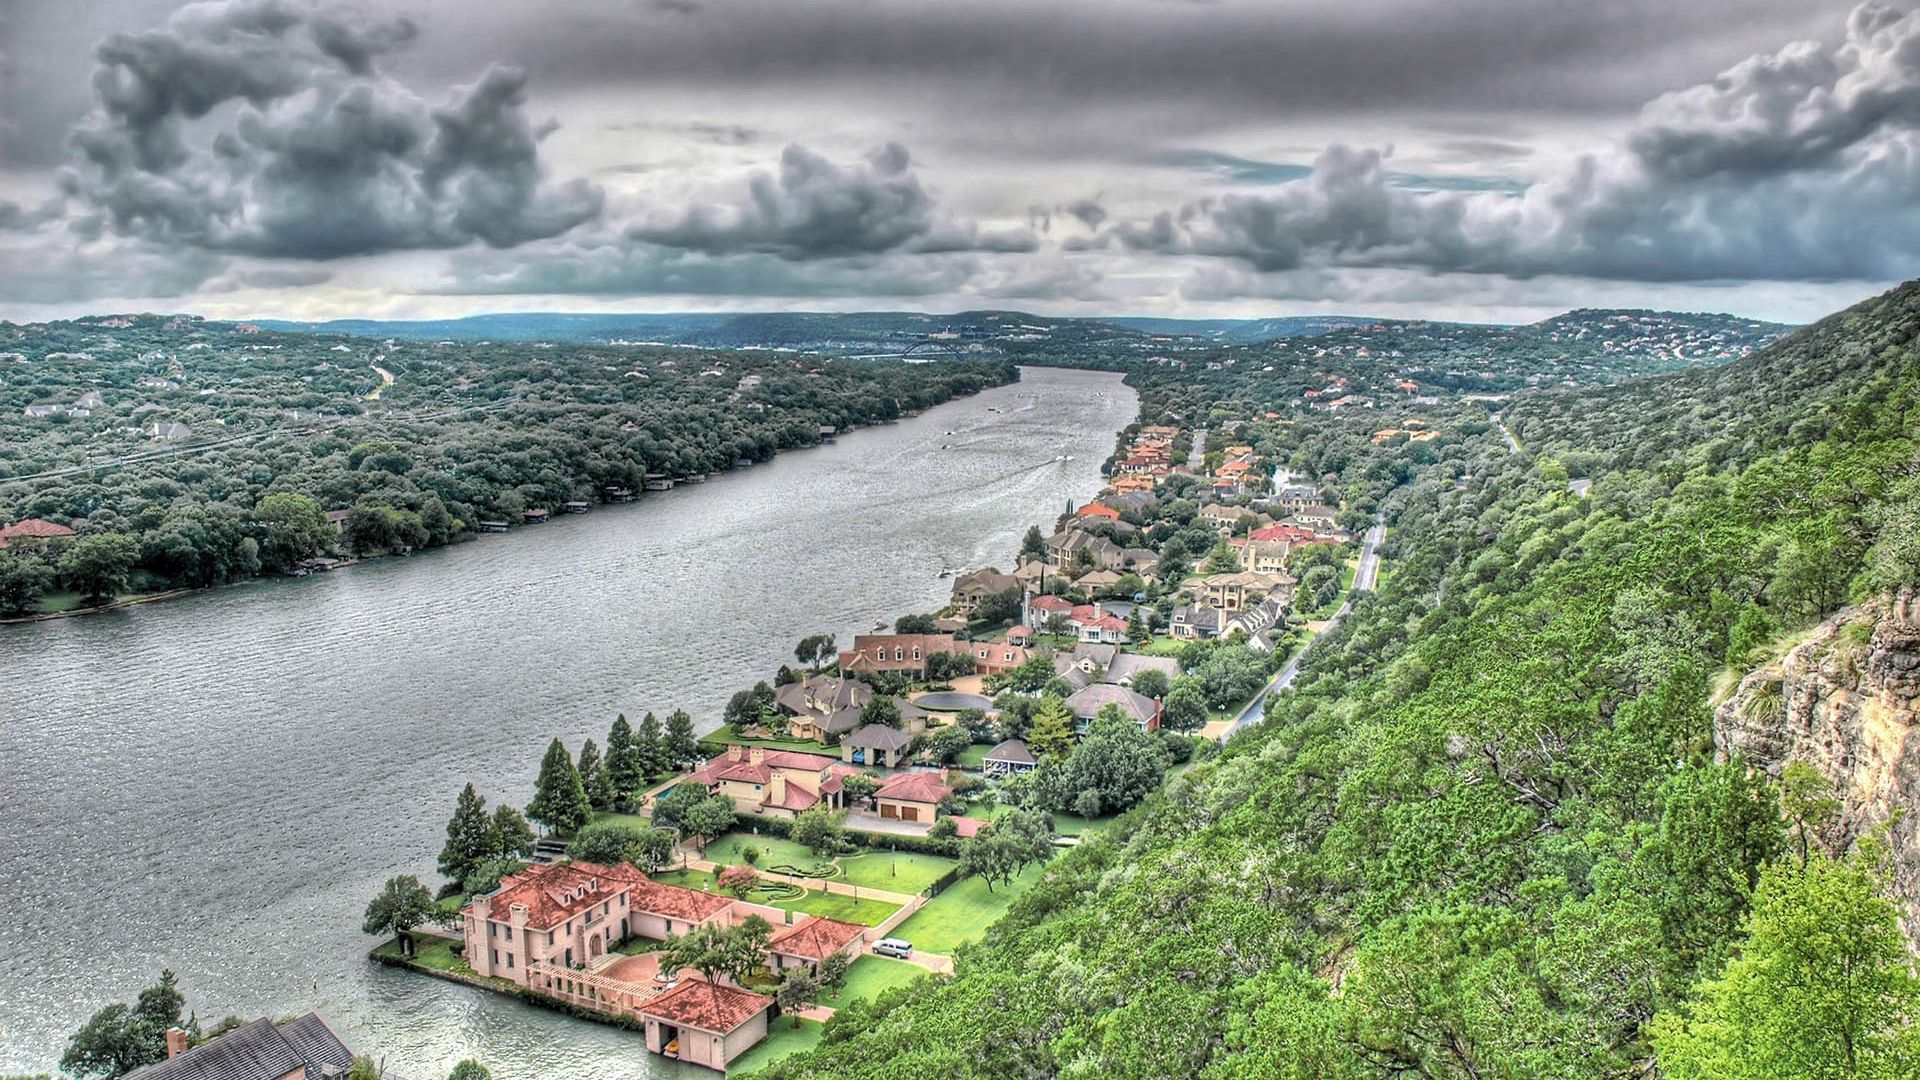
696,1003
33,529
967,826
1050,603
798,798
555,893
676,901
921,787
815,939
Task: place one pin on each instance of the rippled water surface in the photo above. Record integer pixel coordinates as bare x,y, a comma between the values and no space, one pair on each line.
218,784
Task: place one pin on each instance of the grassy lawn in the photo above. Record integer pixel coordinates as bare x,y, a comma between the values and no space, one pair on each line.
963,912
773,849
870,975
973,756
894,871
429,951
782,1039
1063,824
717,744
863,911
635,821
1159,646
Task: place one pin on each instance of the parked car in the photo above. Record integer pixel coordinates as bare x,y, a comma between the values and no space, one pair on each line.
894,947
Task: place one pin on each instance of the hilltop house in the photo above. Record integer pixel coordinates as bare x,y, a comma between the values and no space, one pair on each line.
822,707
302,1049
773,783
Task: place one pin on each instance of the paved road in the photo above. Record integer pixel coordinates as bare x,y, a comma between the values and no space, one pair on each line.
1513,444
1364,580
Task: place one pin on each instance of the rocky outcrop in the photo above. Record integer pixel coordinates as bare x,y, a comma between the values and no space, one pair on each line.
1846,700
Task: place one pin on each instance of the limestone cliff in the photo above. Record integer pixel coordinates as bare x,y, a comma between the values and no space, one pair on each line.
1844,700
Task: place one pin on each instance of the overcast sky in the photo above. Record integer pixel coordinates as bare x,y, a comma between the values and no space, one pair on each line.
1479,159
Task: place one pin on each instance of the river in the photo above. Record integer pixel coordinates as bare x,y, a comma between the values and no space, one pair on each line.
218,783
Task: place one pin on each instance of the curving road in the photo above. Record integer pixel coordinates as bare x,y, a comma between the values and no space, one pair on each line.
1364,579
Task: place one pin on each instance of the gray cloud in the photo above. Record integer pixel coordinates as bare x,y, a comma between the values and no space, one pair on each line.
54,270
325,155
1804,163
814,208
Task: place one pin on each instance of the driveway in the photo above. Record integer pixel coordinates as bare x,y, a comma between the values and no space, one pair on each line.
876,823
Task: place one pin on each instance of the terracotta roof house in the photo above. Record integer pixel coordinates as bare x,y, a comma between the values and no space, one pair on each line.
1141,709
875,745
812,940
772,783
704,1023
303,1049
1098,510
1009,757
970,589
896,652
913,796
1041,608
997,657
1104,628
32,532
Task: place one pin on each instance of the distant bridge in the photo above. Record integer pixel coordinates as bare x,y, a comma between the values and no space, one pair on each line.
925,347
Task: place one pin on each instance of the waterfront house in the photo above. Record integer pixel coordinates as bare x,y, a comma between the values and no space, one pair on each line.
31,532
772,783
1071,548
704,1023
1099,511
970,589
823,707
1009,757
1031,575
302,1049
876,746
913,796
896,652
549,917
1087,703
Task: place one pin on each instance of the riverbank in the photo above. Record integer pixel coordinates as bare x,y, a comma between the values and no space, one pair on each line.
268,741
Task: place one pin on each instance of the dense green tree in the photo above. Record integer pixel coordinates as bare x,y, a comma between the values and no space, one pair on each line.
625,770
798,989
98,567
120,1038
947,742
294,528
559,797
1824,986
652,755
402,904
1152,683
819,828
512,836
1114,766
815,650
470,1069
682,749
1033,545
593,777
471,837
881,710
915,624
24,579
486,876
607,842
1051,733
710,817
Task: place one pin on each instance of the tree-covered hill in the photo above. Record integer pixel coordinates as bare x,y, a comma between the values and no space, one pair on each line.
1486,836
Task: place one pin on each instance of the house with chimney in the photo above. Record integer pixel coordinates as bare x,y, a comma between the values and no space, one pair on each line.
913,796
773,783
301,1049
823,707
896,652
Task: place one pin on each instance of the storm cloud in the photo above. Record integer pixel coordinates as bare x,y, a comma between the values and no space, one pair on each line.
815,208
1803,163
323,156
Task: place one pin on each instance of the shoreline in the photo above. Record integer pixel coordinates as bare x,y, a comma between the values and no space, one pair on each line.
638,499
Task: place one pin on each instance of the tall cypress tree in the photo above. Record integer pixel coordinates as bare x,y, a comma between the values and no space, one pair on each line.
593,777
650,749
623,764
512,838
682,748
1052,733
470,838
559,799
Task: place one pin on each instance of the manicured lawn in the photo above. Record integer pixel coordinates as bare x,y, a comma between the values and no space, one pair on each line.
962,912
635,821
773,849
429,951
863,911
973,756
894,871
1063,824
717,744
782,1039
870,975
1159,646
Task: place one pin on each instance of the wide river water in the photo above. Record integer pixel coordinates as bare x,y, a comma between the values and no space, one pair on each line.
217,784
